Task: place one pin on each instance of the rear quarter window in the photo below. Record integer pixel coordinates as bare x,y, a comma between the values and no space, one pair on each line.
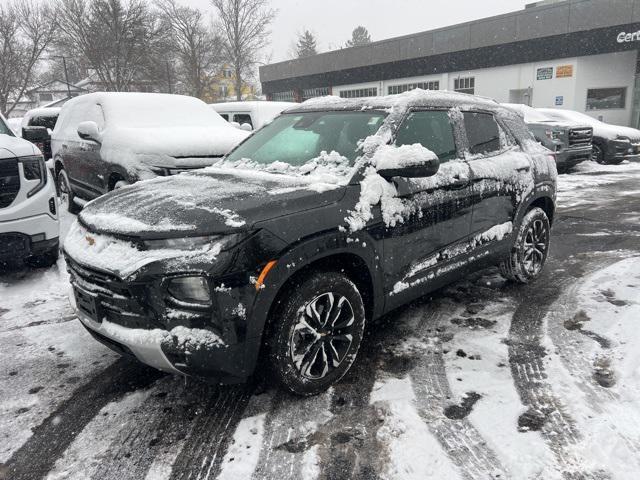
483,133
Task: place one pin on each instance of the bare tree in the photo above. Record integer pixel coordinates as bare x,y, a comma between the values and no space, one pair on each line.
117,37
197,48
27,28
245,27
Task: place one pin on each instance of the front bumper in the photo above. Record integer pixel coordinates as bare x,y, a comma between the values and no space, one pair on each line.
572,156
620,149
134,318
19,246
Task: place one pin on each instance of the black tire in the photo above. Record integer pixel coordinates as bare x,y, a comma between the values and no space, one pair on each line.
530,249
66,193
315,334
597,154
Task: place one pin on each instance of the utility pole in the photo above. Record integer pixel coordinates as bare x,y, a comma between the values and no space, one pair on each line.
168,76
66,76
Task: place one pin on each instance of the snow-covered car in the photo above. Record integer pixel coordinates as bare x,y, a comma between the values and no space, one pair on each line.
43,118
252,114
103,141
29,227
570,141
330,216
612,144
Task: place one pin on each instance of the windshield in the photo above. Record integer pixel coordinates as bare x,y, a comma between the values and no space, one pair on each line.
4,128
297,138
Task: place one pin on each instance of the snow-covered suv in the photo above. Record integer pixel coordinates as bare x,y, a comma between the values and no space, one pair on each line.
29,227
330,216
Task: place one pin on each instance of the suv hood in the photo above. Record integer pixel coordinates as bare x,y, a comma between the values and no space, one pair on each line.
205,141
211,201
11,147
559,124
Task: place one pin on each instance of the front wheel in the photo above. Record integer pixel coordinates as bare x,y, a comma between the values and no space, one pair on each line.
316,333
531,248
66,194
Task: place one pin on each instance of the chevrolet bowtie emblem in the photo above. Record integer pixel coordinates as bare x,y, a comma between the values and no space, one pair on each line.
90,240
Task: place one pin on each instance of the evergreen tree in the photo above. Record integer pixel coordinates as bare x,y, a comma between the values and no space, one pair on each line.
306,45
359,37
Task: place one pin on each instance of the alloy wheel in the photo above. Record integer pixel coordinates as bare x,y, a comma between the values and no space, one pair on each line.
63,188
535,246
597,154
322,336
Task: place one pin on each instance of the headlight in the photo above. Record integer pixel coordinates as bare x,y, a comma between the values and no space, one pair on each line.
553,134
190,290
34,169
193,243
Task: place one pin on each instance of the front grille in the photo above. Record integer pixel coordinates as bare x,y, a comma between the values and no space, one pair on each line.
9,181
97,282
580,137
14,244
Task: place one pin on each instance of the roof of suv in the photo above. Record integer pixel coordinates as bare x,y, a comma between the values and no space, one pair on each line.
413,98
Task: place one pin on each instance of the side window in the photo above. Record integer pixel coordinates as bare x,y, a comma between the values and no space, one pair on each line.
483,133
95,114
225,116
432,129
243,118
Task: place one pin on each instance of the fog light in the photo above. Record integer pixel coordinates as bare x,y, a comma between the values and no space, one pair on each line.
190,290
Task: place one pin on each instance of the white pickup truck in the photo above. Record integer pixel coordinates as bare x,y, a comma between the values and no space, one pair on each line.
29,226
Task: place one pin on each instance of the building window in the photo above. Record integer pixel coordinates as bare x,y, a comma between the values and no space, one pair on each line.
606,98
308,93
283,96
46,97
359,93
224,91
395,89
465,85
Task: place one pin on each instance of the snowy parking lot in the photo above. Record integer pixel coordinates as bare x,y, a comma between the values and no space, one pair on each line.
483,379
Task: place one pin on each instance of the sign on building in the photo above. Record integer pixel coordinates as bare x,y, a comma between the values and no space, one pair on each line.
564,71
545,73
559,101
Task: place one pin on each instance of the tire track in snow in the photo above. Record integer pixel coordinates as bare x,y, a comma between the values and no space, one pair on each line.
214,422
526,360
52,437
462,442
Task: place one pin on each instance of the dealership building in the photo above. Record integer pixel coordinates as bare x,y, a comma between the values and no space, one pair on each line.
574,54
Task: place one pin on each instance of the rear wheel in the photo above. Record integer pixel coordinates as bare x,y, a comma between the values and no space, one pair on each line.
597,154
531,248
120,184
316,333
66,194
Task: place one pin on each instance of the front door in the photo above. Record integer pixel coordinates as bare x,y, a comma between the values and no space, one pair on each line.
419,249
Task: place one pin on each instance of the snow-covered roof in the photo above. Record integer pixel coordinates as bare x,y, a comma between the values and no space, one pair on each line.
413,98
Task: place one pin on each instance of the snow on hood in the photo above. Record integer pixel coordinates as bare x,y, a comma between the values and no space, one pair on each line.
210,201
170,147
123,257
16,147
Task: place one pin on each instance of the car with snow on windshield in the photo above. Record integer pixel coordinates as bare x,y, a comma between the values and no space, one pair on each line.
319,223
570,141
103,141
612,144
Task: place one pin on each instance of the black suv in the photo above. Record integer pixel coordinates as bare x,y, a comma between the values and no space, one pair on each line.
335,213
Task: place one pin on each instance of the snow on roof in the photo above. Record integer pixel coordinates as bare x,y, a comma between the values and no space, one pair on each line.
417,97
531,115
127,109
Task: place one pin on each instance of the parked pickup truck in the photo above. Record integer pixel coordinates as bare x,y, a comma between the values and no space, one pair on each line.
571,142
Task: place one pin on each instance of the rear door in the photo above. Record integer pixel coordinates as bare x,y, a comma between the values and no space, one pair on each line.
502,177
441,210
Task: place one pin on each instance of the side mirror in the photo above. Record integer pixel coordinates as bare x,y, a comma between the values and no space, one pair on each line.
89,131
36,134
234,124
247,127
414,168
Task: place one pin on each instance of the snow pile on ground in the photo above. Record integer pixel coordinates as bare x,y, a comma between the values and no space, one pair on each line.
243,454
121,257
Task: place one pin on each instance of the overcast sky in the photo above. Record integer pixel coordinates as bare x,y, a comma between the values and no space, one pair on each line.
332,21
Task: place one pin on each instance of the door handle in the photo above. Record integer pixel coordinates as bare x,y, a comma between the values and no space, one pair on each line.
524,169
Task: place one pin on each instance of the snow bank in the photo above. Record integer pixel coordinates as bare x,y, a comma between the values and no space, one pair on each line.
121,257
243,454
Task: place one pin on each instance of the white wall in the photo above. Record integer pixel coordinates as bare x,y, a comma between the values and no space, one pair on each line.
598,71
